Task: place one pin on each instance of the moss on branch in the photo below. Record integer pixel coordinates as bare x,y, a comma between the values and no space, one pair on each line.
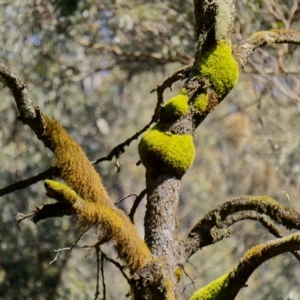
216,290
165,152
114,226
219,67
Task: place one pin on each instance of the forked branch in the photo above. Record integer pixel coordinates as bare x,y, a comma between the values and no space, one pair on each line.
245,48
204,232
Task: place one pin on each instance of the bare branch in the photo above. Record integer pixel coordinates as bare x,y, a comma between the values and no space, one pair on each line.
118,265
99,266
22,217
22,184
118,150
135,205
52,210
19,91
124,198
245,48
102,275
72,246
205,232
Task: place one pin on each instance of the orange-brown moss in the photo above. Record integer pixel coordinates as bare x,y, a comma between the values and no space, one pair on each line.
73,166
178,274
169,290
85,192
116,228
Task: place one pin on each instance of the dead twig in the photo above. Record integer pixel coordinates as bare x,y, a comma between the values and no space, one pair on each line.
22,184
118,150
135,205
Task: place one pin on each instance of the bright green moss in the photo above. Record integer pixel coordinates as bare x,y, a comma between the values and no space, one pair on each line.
177,106
219,67
216,290
201,102
165,152
60,191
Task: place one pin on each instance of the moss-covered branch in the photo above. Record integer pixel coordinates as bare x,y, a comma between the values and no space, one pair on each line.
167,149
82,182
265,220
245,48
204,232
114,226
227,286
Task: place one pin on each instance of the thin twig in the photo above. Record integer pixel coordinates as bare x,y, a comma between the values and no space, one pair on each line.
104,256
22,184
118,265
135,205
187,275
99,257
122,199
118,150
72,246
102,275
22,217
178,75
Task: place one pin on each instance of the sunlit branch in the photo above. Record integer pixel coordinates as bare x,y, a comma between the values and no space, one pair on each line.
245,48
227,286
19,91
256,256
29,114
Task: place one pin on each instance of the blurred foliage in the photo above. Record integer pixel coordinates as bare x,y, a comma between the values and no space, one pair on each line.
91,65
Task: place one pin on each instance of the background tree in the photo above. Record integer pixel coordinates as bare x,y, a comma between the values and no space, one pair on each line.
70,77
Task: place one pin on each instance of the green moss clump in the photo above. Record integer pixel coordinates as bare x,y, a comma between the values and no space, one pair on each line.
219,67
60,192
165,152
201,102
216,290
177,106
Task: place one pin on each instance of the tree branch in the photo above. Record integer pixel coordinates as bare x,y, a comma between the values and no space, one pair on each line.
228,285
22,184
257,256
135,205
245,48
119,149
52,210
29,114
253,215
204,232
